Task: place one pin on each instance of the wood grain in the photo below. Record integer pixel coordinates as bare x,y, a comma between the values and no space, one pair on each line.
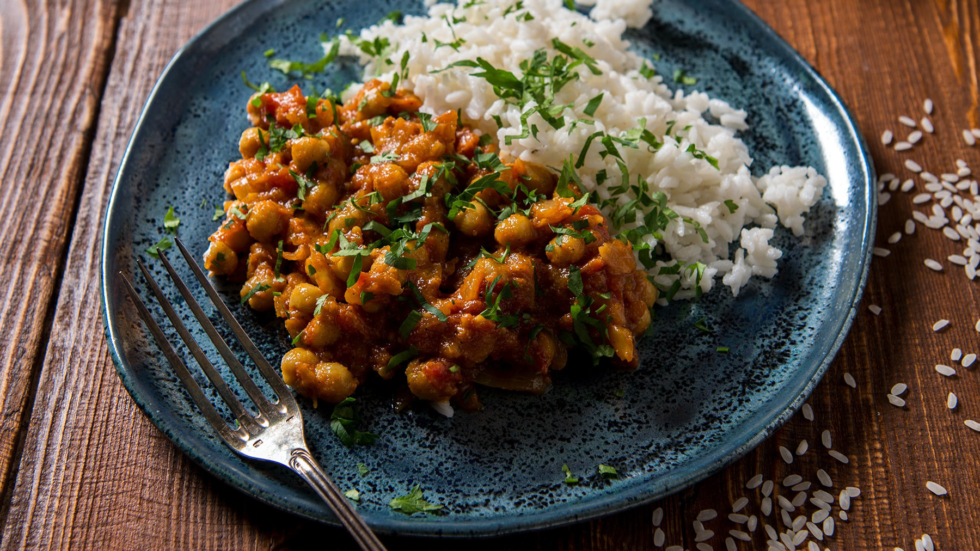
85,483
54,64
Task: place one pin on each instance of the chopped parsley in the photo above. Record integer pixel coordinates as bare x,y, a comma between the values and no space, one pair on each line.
319,304
290,68
722,350
362,469
593,104
428,124
569,479
401,358
170,221
395,17
732,207
219,213
278,259
701,325
413,502
607,472
161,245
647,71
269,53
680,77
342,422
353,495
388,157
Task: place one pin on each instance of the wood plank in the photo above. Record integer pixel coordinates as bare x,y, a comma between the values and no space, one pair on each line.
53,65
84,484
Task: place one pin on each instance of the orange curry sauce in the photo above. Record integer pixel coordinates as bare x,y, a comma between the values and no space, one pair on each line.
467,268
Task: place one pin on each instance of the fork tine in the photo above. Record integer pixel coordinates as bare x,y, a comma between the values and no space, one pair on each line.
244,417
267,408
234,438
272,377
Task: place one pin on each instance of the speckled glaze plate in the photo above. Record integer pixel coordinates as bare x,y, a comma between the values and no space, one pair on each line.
685,413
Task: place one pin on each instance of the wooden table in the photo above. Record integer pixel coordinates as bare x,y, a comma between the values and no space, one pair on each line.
81,467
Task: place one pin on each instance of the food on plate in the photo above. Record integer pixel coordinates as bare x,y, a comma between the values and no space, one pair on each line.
403,244
510,183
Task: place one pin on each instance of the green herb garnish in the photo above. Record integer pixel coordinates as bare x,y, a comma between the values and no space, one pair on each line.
413,502
342,422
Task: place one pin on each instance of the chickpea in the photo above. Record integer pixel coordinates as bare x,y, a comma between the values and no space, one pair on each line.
308,150
622,341
234,172
265,220
618,257
241,188
516,231
432,379
320,334
304,297
249,143
297,359
261,300
565,250
474,221
333,382
538,178
321,198
390,180
220,259
348,218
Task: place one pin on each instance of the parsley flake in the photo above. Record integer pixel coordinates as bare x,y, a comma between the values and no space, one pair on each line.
388,157
170,221
607,472
161,245
413,502
257,289
353,495
342,422
569,479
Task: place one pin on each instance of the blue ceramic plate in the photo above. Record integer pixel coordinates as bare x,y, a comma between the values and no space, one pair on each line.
685,413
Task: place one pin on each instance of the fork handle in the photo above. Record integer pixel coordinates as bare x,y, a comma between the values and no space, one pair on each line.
303,464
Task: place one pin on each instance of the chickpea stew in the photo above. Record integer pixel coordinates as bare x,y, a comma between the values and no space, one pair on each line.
401,243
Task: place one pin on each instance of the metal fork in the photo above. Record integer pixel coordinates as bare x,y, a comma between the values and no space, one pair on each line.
276,432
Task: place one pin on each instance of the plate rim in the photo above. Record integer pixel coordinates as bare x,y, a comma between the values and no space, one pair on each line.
610,503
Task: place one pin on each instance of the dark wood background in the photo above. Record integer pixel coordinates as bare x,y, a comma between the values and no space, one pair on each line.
81,467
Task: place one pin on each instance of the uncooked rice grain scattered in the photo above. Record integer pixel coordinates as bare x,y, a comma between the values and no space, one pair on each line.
738,519
807,412
828,526
936,488
933,265
927,106
927,125
766,506
849,379
825,479
820,504
853,491
875,309
886,137
956,354
914,137
792,480
802,486
785,504
658,516
754,482
740,535
825,439
845,500
707,514
799,499
913,166
903,146
969,138
839,456
896,401
739,504
968,360
815,531
907,121
882,252
921,198
767,488
786,454
899,389
909,227
945,370
802,447
826,497
730,544
658,537
973,424
927,541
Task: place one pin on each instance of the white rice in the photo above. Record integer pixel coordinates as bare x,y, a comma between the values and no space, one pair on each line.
945,370
739,504
880,251
849,379
852,491
828,526
969,138
940,325
786,454
887,136
825,479
802,447
936,488
826,439
933,265
807,412
908,185
895,238
768,487
839,456
707,514
973,425
927,125
658,516
766,506
896,401
907,121
823,496
968,360
951,401
802,487
738,519
909,227
927,106
899,389
738,242
903,146
914,137
730,544
792,480
658,537
754,482
875,309
443,408
913,166
956,354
